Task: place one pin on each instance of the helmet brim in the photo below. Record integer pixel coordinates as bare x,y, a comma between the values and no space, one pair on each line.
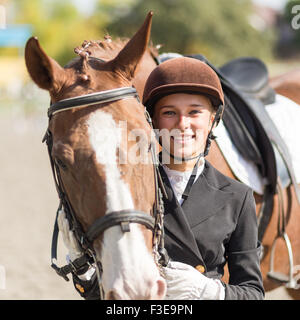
165,90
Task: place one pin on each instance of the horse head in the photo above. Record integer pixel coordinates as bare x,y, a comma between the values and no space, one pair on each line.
88,143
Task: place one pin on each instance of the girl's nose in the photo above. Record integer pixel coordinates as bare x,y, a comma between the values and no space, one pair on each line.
183,122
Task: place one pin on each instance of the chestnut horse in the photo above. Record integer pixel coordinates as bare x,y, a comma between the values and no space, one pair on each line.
85,152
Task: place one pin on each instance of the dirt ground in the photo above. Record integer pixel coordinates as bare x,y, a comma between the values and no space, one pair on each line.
28,203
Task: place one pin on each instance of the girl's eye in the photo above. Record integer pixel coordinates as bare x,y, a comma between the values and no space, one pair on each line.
168,113
194,112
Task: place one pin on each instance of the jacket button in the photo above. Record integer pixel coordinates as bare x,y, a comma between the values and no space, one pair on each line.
79,287
200,268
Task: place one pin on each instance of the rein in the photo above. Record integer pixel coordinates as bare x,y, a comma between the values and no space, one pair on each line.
122,218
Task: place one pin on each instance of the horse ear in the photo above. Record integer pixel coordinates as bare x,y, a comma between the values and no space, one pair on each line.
129,57
44,70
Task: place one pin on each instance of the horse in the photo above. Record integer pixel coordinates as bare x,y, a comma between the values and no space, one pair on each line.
110,203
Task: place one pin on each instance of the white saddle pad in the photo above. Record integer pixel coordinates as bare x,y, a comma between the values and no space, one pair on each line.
286,116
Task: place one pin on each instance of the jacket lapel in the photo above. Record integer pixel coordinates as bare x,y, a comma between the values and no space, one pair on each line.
206,198
175,221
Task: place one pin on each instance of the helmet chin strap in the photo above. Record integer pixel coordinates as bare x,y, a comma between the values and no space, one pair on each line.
201,154
211,136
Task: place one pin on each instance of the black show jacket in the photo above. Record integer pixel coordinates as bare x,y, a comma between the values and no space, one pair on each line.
216,224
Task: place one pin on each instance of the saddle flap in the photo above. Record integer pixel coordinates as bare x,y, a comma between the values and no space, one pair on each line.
240,135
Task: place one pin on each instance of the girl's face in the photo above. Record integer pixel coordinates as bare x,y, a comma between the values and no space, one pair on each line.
184,121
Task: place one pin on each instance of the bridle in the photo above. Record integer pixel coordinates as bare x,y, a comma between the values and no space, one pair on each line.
122,218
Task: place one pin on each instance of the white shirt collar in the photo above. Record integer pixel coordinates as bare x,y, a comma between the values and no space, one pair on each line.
179,179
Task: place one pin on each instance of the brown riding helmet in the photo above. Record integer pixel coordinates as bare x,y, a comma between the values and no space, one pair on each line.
182,75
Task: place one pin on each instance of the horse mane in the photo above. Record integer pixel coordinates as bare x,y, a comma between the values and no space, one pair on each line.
106,49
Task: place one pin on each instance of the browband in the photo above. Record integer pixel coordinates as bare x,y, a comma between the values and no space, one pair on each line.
93,98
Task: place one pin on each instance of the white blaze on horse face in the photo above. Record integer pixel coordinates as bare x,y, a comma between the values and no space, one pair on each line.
104,138
129,270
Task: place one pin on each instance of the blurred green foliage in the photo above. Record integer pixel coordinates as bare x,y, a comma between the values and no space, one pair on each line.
58,24
218,29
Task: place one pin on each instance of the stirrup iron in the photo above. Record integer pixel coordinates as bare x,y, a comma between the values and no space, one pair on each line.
289,280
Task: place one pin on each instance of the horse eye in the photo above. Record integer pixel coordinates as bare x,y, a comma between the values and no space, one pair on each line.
61,164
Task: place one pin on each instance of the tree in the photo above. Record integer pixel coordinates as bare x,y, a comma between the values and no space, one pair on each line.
58,24
218,29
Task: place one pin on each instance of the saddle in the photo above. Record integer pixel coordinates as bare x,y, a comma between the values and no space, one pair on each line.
250,76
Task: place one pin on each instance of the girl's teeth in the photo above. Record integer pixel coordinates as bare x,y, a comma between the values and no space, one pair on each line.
183,138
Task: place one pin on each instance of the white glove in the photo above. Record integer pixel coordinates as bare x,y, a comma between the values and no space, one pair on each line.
68,236
186,283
